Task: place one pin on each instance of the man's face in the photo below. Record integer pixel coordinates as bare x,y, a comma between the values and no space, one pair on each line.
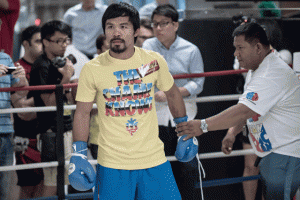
57,44
245,52
35,46
120,34
143,35
164,28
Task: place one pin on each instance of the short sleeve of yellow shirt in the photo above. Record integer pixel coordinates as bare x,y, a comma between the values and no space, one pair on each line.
124,92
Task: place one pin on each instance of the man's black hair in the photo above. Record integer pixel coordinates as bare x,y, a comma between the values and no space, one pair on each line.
253,33
49,29
166,10
28,33
122,9
146,23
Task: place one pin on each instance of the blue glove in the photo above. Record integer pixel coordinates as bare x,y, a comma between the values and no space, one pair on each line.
82,176
185,150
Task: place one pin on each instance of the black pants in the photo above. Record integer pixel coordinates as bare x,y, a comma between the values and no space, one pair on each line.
186,174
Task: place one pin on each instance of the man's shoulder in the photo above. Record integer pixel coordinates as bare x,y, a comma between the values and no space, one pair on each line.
151,43
74,8
186,43
41,61
5,59
149,53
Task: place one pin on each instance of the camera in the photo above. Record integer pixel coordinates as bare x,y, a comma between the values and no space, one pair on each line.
238,19
10,70
60,62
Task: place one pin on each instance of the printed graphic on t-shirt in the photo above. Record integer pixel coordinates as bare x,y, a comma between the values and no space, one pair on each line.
259,137
124,100
131,126
252,96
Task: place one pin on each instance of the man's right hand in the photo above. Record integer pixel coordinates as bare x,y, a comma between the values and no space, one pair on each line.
3,70
227,143
68,69
82,176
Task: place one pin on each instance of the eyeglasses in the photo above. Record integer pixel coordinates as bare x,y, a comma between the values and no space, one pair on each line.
161,24
61,41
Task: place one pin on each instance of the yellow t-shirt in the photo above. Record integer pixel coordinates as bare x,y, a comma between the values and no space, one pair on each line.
124,90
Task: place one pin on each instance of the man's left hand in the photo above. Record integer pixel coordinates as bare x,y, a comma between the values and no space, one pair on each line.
190,128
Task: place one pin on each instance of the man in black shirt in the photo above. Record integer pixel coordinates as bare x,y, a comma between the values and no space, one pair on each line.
55,38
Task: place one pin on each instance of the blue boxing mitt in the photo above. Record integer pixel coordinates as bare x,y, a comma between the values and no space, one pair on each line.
82,176
185,150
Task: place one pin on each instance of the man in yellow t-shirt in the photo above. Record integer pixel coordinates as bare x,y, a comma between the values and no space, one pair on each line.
131,159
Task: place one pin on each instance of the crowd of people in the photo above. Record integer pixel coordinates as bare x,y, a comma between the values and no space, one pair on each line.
124,62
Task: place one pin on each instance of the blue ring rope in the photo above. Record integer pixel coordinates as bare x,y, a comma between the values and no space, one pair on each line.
226,181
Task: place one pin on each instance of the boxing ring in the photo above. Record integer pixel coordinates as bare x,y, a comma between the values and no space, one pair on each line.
60,164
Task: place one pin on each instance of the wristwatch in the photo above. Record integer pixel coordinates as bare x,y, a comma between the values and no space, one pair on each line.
204,126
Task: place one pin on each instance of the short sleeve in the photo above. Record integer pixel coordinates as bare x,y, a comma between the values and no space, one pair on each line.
262,94
86,90
165,80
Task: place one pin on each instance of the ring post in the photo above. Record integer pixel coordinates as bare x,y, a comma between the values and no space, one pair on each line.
60,142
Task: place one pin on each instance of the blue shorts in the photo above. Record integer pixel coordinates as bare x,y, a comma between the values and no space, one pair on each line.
152,183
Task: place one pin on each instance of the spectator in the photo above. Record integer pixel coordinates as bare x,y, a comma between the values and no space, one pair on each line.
271,109
101,44
16,79
146,32
55,39
25,124
131,160
9,14
182,57
146,10
85,20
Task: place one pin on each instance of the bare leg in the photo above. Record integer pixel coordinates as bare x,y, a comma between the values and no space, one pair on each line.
49,191
28,192
250,187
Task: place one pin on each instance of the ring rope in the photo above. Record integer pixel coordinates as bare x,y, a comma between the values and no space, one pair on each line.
94,162
73,107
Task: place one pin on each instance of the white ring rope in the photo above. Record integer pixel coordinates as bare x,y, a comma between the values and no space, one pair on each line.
94,162
73,107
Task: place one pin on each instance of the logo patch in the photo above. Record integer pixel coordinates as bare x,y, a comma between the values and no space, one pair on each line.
252,96
131,126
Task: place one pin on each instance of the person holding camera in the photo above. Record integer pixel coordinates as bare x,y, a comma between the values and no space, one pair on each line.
10,76
55,39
